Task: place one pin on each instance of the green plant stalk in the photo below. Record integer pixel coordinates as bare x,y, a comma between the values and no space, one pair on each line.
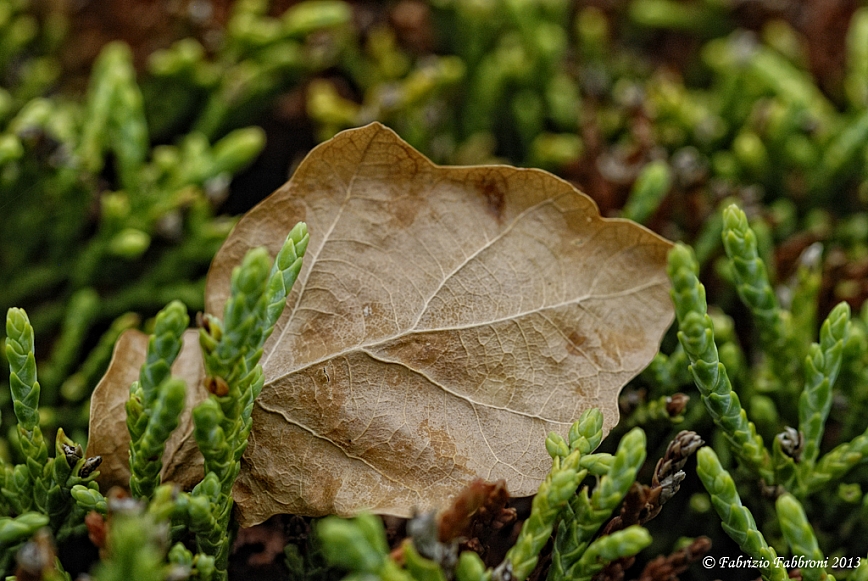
359,545
181,561
147,452
164,345
15,532
584,514
857,59
129,130
860,573
697,337
853,378
737,520
808,280
551,498
837,462
135,548
756,292
112,61
156,401
650,188
821,369
89,498
232,349
668,372
80,314
66,470
30,482
842,152
586,434
471,568
800,536
651,412
618,545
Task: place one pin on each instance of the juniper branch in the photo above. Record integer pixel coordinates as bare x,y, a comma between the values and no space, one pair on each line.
799,535
697,337
821,369
738,522
752,284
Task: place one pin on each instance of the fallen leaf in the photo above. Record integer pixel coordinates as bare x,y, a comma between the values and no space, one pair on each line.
445,319
109,437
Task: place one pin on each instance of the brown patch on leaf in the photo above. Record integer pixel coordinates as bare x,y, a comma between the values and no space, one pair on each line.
574,342
491,190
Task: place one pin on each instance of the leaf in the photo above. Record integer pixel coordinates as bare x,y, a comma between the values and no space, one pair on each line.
445,320
109,437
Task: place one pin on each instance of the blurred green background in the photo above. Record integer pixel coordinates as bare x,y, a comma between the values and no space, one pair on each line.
134,132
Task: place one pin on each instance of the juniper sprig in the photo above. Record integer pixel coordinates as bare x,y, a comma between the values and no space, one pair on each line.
232,347
14,532
837,462
696,335
608,548
821,369
553,495
738,522
755,291
146,451
156,401
648,191
800,536
359,545
26,487
231,350
584,514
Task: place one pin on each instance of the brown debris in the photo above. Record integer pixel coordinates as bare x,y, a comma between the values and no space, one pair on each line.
479,502
478,515
261,544
97,529
642,502
676,404
36,559
668,568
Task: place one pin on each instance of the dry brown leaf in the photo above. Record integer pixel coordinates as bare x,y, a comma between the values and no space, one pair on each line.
445,320
109,437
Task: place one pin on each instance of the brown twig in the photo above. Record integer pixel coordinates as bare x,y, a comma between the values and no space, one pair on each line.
642,502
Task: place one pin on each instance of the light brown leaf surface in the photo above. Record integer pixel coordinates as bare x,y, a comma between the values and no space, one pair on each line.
445,319
109,437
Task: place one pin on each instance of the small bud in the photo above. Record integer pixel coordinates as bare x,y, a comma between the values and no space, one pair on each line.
556,445
73,454
676,404
217,386
89,466
792,443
